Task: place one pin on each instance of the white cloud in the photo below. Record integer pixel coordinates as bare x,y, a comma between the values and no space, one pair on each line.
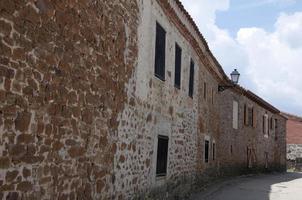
274,61
289,28
203,12
259,3
270,62
220,41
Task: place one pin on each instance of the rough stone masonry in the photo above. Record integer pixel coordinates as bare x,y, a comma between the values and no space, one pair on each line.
63,67
81,111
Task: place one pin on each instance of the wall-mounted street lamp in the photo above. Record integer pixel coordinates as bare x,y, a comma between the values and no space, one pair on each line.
234,78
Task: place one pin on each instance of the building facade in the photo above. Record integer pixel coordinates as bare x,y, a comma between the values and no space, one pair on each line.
119,100
293,139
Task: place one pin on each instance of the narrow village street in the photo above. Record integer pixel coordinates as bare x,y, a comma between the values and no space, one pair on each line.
286,186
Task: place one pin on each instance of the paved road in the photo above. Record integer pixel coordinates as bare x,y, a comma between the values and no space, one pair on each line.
287,186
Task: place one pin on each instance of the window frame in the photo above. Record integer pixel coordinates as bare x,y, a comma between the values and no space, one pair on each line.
191,78
213,150
158,169
206,150
235,115
265,125
177,66
160,54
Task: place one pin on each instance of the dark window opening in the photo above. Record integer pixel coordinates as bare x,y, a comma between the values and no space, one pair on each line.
231,149
160,52
250,116
177,78
206,151
276,128
191,80
263,124
212,97
162,156
213,149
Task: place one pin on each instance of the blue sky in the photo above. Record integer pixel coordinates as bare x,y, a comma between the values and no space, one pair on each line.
262,39
263,14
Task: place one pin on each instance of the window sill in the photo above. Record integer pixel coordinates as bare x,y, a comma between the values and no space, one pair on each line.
161,177
160,77
177,87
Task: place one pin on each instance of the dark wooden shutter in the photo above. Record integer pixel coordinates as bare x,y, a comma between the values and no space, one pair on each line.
177,78
162,156
263,124
160,52
254,118
214,149
206,151
245,121
191,79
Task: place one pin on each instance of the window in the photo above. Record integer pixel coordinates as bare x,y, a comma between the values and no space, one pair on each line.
265,125
204,90
249,116
160,52
271,123
276,128
206,151
162,156
235,114
212,96
177,78
231,149
276,124
191,79
213,150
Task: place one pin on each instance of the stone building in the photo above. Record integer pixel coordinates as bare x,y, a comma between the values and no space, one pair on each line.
119,100
293,138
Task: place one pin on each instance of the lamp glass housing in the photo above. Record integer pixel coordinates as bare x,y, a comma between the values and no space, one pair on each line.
235,76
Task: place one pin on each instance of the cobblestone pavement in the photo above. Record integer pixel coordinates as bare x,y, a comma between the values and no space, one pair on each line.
286,186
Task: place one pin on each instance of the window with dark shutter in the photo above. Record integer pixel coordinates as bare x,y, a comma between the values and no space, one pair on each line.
162,156
191,79
213,149
250,116
276,129
245,121
160,52
206,151
177,78
263,124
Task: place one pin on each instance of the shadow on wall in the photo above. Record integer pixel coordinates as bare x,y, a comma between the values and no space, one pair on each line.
263,187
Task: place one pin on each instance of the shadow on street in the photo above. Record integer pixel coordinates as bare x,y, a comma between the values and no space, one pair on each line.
285,186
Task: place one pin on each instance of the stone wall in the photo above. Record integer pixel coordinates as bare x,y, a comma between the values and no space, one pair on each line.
294,151
81,108
63,70
235,143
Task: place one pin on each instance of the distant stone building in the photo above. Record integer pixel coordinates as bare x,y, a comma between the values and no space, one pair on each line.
119,100
293,137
